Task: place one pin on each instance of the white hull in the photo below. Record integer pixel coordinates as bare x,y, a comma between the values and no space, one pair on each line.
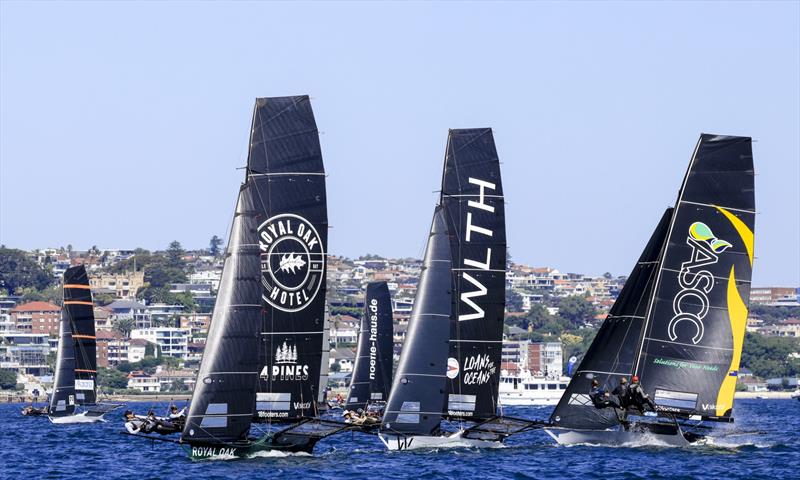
77,418
520,400
420,442
528,390
617,437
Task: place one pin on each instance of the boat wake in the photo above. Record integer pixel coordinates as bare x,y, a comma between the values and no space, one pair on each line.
277,454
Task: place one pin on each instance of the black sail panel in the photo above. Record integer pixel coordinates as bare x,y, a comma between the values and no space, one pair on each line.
613,351
288,180
224,396
472,201
417,398
79,311
696,320
62,400
372,372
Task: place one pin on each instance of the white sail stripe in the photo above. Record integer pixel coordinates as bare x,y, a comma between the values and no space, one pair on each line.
220,415
687,345
600,371
292,333
445,261
647,263
641,317
231,373
413,412
475,341
284,173
721,206
722,279
477,270
435,315
474,195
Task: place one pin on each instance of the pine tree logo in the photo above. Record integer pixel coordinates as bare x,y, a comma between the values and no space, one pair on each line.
286,354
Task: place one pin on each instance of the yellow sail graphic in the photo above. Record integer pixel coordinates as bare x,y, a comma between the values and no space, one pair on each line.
737,312
743,231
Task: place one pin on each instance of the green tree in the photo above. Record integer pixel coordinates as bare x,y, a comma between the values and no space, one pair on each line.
18,271
111,378
124,326
52,294
175,253
576,310
768,357
8,379
103,298
213,246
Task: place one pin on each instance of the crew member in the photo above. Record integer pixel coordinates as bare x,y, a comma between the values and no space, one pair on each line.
621,392
174,414
637,398
600,397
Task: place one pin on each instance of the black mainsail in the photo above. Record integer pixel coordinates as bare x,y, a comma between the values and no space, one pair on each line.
449,366
264,349
613,351
689,307
696,318
76,360
417,399
372,372
474,210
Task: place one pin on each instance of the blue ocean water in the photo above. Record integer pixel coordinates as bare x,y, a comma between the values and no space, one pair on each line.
33,448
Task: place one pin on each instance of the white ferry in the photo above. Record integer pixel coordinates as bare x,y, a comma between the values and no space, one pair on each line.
526,388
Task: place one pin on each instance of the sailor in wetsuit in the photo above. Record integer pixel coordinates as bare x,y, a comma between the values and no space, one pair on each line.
637,398
600,397
621,392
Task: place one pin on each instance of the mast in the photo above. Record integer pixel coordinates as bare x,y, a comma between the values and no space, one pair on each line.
695,323
417,397
273,284
474,211
372,372
614,349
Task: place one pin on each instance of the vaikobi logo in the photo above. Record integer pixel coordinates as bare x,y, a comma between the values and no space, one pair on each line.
292,261
691,303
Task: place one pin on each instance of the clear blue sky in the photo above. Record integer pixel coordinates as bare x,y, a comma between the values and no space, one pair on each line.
122,125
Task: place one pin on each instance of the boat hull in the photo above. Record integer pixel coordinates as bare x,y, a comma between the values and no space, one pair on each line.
673,437
77,418
422,442
284,443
